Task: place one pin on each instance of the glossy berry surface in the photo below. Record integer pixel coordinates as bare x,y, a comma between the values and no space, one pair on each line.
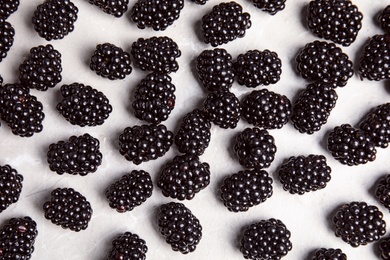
8,7
270,6
329,254
377,125
128,246
7,35
382,191
384,247
384,19
11,184
113,7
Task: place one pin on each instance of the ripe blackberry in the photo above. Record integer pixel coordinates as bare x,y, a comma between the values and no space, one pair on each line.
42,70
374,63
156,14
351,146
193,136
128,246
156,54
384,246
267,239
113,7
54,19
384,19
154,98
69,209
142,143
335,20
199,2
21,111
226,22
255,68
223,109
329,254
270,6
266,109
255,148
377,125
382,191
78,155
83,105
110,61
181,229
8,7
17,238
246,189
10,186
183,177
324,62
7,34
303,174
129,191
359,224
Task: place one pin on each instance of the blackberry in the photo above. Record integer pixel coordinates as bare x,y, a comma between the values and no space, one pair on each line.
8,7
270,6
199,2
42,70
377,125
113,7
351,146
329,254
335,20
69,209
183,177
313,106
110,61
154,98
374,63
7,35
181,229
226,22
128,246
384,246
359,224
266,109
223,109
78,155
255,68
142,143
382,191
266,239
83,105
215,69
54,19
255,148
193,136
129,191
156,14
324,62
303,174
17,238
156,54
384,19
10,186
20,110
245,189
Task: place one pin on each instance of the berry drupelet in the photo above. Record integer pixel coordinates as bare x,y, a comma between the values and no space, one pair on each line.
329,254
69,209
226,22
7,34
270,6
10,186
113,7
128,246
384,247
8,7
384,19
382,191
377,125
181,229
245,189
130,191
357,223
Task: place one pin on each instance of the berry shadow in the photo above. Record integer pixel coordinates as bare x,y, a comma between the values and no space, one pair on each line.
304,13
387,86
330,215
372,189
358,56
310,254
107,245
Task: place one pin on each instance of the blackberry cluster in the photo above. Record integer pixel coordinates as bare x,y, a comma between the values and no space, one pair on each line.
69,209
142,143
359,224
113,7
270,6
245,189
154,98
156,54
83,105
8,7
156,14
384,19
267,239
128,246
223,109
17,238
54,19
335,20
255,148
193,136
382,191
377,125
42,70
181,229
351,146
373,65
266,109
183,177
199,2
7,34
226,22
313,106
303,174
324,62
20,110
129,191
384,247
79,155
10,186
215,69
329,254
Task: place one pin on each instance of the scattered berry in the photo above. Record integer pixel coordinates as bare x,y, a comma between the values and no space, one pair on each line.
113,7
377,125
270,6
384,246
10,186
7,34
384,19
382,191
329,254
8,7
128,246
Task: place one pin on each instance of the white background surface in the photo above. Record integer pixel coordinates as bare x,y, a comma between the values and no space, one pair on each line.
308,217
